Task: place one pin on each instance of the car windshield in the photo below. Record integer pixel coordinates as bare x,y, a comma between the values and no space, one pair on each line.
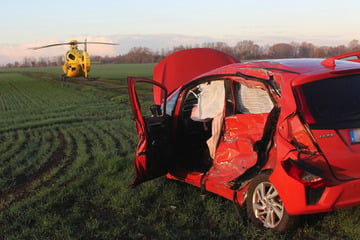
334,101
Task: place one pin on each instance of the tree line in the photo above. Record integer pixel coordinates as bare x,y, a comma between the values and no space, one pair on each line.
243,50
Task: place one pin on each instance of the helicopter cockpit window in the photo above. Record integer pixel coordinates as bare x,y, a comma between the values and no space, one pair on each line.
71,56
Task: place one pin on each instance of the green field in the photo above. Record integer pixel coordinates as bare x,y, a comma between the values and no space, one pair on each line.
66,155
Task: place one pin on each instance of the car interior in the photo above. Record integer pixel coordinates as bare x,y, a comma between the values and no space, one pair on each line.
226,116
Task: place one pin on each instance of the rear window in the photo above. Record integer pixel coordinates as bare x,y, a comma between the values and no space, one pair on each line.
333,102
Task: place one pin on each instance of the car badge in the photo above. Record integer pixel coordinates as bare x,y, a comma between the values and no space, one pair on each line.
326,135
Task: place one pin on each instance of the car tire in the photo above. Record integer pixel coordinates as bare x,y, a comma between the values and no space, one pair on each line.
265,207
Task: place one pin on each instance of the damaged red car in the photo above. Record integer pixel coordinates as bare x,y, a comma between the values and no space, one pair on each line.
281,137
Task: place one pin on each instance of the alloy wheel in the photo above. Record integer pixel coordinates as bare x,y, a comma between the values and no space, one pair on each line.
267,205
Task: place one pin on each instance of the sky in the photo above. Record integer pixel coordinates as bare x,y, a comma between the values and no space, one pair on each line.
160,24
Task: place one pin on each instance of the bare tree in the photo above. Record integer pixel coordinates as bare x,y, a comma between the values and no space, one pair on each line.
139,55
354,45
306,50
282,50
247,49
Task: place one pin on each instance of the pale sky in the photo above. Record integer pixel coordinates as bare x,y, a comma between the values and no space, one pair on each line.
163,23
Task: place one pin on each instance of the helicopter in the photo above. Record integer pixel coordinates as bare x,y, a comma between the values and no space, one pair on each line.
77,62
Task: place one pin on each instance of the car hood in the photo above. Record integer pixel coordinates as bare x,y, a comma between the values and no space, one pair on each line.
180,67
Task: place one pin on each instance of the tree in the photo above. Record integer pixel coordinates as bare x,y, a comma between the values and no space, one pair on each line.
354,45
247,49
306,50
139,55
220,46
282,50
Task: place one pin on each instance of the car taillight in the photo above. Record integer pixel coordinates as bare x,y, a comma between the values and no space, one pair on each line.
303,107
308,179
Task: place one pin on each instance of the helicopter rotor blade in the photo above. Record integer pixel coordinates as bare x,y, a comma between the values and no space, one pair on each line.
105,43
50,45
73,43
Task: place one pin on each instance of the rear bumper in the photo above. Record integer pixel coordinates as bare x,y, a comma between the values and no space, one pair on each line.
296,197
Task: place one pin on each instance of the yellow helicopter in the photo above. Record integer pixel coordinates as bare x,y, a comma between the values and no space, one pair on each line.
77,62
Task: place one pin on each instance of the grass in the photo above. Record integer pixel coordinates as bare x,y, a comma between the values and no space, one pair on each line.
106,72
66,154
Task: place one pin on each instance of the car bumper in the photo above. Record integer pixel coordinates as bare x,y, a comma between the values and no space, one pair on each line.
300,200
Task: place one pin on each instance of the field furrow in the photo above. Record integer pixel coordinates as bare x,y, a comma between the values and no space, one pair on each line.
24,181
7,162
6,141
3,104
57,175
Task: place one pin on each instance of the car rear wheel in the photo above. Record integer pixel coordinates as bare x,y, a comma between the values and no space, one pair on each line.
265,207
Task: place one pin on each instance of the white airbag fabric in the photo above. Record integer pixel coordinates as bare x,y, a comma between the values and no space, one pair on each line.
210,101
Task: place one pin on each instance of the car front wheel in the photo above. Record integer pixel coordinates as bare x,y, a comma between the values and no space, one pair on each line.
265,207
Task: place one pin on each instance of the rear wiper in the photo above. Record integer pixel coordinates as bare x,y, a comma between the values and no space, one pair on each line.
350,115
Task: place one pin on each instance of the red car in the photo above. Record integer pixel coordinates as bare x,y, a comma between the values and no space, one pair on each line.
280,137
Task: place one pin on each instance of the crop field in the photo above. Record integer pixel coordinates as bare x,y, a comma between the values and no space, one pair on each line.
66,160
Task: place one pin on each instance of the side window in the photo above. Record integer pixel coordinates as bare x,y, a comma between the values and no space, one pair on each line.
251,100
171,103
350,58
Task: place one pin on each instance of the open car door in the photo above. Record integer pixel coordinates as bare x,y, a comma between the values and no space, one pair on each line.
153,128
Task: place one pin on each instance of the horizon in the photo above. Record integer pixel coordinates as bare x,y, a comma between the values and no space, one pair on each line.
126,43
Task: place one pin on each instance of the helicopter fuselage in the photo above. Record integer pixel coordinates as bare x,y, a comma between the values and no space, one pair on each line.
77,63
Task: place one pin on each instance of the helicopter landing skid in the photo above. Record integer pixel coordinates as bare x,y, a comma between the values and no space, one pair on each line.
65,78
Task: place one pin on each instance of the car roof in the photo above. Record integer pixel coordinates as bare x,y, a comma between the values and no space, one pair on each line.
307,66
295,65
300,67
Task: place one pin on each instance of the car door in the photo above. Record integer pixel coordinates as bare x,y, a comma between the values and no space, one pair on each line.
153,153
